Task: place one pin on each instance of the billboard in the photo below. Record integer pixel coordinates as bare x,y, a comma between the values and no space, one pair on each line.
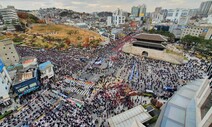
1,66
26,87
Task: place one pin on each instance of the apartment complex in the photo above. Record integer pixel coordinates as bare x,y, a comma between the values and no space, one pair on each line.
205,31
118,17
190,106
205,8
9,15
5,84
135,11
175,14
158,15
9,18
138,11
8,53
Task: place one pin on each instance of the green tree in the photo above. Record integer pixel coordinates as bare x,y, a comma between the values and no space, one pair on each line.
189,41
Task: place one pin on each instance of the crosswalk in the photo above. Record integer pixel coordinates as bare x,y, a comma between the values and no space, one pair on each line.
83,92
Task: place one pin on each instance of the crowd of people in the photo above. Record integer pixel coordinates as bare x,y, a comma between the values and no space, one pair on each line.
108,96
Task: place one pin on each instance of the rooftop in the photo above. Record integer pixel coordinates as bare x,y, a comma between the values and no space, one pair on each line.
149,45
180,110
43,66
151,37
128,118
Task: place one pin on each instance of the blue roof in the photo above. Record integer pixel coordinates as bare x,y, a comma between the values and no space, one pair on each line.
44,65
1,66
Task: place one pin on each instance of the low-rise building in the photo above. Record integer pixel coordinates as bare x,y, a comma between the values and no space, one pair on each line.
46,70
26,78
204,31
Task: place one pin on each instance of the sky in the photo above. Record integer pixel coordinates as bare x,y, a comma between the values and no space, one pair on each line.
100,5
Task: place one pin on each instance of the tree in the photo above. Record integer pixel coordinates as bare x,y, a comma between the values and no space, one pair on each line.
67,41
189,41
22,15
18,39
79,38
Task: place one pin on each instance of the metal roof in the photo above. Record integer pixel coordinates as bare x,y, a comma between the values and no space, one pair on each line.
43,66
127,118
180,110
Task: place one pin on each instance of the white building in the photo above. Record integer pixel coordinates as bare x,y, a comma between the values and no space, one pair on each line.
9,15
193,12
118,17
157,16
209,19
175,14
5,84
109,21
183,20
46,69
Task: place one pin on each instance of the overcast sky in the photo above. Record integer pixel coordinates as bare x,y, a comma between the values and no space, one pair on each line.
100,5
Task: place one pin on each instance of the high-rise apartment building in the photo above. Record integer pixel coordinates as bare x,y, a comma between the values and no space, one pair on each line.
118,17
109,21
205,7
135,11
175,14
142,12
158,15
139,11
8,53
158,9
9,15
5,84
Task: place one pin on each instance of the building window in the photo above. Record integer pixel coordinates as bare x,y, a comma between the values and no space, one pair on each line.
11,52
3,47
206,106
9,47
5,54
8,58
